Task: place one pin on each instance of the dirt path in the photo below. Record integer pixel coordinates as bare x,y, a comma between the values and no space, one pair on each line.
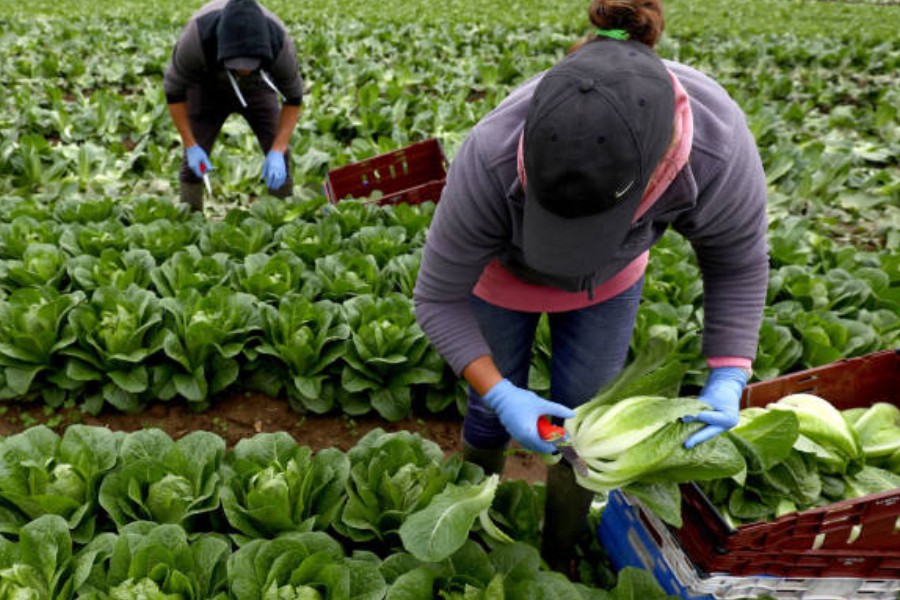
241,415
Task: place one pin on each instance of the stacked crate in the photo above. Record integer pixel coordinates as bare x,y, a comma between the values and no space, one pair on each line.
849,549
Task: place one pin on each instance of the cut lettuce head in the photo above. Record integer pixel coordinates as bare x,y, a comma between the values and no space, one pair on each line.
637,443
825,432
878,427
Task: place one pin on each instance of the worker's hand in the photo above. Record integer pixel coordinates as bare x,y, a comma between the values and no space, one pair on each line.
198,161
723,393
519,411
274,171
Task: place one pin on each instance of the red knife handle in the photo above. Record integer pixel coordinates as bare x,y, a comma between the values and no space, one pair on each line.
548,431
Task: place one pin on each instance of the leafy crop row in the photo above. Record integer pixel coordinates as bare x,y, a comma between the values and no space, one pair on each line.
823,109
124,304
88,160
121,306
97,514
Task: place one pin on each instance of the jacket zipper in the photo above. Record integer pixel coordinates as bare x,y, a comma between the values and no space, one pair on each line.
585,285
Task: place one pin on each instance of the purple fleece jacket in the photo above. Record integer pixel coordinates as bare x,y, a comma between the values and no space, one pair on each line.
717,202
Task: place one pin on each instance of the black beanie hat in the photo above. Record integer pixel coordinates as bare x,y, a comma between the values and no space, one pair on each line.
243,32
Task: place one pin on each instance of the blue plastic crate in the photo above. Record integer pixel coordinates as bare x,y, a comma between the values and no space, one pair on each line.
629,541
633,536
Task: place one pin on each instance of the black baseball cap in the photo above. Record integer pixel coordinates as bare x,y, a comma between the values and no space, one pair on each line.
599,122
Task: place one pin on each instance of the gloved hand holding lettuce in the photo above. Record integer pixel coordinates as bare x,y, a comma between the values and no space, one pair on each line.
636,433
637,444
632,435
641,439
722,393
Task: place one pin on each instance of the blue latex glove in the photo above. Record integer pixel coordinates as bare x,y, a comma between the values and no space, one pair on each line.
723,393
274,170
519,411
196,156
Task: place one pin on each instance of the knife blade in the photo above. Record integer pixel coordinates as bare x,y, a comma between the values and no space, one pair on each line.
206,180
557,436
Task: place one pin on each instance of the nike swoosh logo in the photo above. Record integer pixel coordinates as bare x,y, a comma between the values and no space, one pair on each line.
624,190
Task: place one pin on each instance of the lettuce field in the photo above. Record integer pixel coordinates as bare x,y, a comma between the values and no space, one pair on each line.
115,300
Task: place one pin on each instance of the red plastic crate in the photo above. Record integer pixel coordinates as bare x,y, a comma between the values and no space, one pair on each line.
412,175
812,543
847,383
634,536
853,538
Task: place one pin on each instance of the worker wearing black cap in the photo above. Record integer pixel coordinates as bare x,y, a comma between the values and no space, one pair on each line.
233,56
551,206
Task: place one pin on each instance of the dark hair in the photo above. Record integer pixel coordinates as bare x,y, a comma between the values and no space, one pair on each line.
641,19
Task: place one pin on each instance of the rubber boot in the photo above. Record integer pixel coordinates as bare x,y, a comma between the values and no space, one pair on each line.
192,195
565,517
492,460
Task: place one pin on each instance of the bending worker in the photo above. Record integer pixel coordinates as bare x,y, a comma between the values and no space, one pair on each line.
551,205
233,56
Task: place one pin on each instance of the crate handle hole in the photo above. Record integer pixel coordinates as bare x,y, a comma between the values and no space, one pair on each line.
640,549
810,390
818,541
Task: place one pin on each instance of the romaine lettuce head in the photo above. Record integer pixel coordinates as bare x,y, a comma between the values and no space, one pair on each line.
43,474
878,427
148,560
274,486
164,481
825,432
638,443
391,476
299,566
39,566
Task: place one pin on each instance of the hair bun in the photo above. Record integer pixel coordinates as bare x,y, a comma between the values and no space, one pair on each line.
642,19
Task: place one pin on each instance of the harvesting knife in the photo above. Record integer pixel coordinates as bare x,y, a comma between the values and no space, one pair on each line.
556,436
206,179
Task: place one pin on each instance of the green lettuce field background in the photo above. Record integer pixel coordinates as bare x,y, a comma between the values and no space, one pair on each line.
116,301
88,161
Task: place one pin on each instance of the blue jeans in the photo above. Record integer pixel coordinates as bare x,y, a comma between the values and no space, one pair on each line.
589,347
